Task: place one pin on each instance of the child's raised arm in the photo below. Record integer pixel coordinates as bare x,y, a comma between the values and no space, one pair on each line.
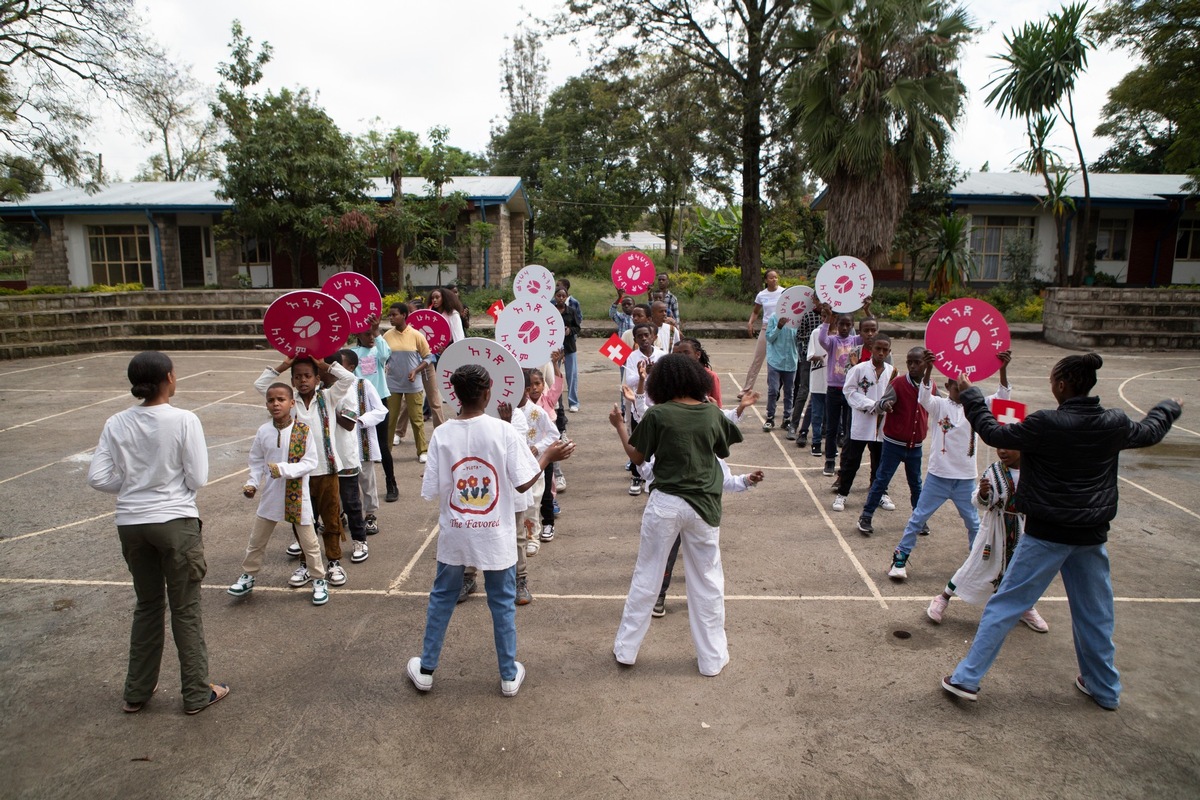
618,422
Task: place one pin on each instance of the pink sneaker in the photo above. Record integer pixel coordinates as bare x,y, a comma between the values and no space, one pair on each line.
1034,620
936,608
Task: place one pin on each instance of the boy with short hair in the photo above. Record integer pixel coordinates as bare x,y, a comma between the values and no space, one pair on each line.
781,369
865,387
316,407
373,353
283,455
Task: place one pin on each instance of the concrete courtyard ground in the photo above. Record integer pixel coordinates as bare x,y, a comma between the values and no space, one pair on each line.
832,690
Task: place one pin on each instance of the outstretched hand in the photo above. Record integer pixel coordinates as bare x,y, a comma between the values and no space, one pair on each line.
615,418
755,477
561,450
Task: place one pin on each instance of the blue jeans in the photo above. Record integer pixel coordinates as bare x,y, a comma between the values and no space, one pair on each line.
571,368
835,407
1085,576
501,586
935,492
815,413
777,379
890,459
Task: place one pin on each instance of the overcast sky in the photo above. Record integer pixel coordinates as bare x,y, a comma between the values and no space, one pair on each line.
418,64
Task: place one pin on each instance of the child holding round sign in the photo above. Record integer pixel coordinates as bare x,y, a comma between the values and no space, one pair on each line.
477,464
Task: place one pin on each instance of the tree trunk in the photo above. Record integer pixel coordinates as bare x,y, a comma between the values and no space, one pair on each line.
1085,227
667,218
750,242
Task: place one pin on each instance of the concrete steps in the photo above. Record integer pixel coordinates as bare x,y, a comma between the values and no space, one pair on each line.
1143,319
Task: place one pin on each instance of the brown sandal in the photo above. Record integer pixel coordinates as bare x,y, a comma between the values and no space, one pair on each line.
133,708
219,690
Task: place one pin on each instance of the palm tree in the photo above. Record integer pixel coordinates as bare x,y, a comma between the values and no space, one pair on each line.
874,104
951,263
1038,77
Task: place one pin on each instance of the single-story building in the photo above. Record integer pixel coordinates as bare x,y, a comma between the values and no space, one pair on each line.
1146,227
160,234
632,240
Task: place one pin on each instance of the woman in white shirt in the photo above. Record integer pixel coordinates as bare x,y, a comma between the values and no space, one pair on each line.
154,458
764,306
446,303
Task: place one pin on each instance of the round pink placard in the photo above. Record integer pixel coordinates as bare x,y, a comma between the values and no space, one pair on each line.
965,335
531,330
306,323
508,382
358,295
794,303
633,272
434,327
534,281
844,282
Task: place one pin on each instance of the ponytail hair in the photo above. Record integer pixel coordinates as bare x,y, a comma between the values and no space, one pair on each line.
147,372
1078,372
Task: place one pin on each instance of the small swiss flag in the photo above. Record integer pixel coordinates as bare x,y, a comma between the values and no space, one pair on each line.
615,350
494,310
1007,412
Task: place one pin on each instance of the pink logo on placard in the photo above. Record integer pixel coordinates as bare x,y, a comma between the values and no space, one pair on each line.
844,283
633,272
528,332
965,336
433,326
533,282
357,295
306,322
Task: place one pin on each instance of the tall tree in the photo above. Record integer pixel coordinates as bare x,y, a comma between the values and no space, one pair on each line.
1042,63
518,145
284,158
679,151
590,180
172,110
55,57
19,177
375,147
1152,117
736,43
874,104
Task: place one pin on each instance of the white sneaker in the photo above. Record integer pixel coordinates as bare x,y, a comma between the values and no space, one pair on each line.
937,606
886,503
635,486
300,576
422,458
294,550
242,585
532,546
423,682
395,440
320,593
335,574
360,552
560,483
572,409
1034,620
839,503
510,688
547,534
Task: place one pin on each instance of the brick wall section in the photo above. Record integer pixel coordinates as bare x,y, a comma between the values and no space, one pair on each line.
168,233
50,255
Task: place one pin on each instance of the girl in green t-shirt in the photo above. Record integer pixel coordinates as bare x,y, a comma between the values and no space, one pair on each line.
685,435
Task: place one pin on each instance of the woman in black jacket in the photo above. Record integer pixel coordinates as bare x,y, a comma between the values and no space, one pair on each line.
1068,494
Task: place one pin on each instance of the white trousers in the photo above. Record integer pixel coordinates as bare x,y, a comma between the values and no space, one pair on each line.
666,517
368,487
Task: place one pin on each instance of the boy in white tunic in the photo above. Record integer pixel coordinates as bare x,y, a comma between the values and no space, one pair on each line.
477,464
865,386
282,456
952,471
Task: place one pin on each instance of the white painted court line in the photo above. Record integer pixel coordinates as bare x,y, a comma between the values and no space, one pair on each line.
412,562
57,364
61,413
1159,497
862,572
608,598
215,402
1128,402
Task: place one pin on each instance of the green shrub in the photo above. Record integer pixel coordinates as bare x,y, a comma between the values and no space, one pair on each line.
899,312
1029,311
927,310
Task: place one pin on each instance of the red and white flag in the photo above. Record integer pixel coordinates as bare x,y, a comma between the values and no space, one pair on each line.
494,310
615,350
1008,412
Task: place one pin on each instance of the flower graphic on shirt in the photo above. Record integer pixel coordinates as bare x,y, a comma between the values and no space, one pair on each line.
476,481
